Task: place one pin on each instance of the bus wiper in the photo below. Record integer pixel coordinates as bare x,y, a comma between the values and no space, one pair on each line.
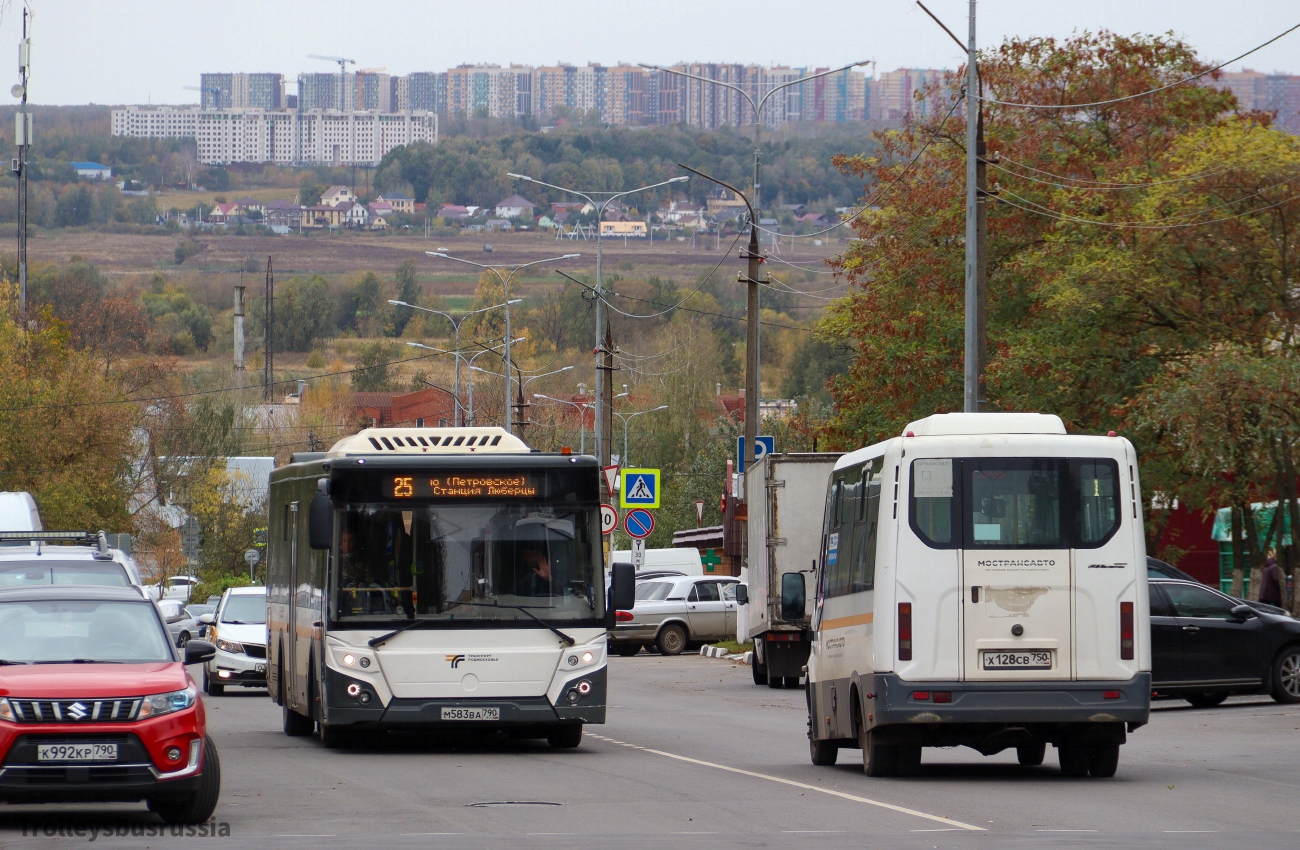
568,640
376,641
5,662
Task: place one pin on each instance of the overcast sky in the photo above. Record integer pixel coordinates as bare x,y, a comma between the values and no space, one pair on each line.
145,51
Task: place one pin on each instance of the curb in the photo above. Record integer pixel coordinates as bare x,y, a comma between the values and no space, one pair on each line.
720,652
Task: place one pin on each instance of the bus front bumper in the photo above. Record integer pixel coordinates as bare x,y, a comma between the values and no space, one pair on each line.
428,714
894,701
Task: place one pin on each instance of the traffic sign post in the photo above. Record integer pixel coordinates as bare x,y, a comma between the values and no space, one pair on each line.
766,446
638,553
611,475
608,519
252,556
699,512
640,488
639,523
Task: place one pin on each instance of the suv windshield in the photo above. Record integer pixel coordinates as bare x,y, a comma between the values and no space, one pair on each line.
244,608
81,631
26,574
460,562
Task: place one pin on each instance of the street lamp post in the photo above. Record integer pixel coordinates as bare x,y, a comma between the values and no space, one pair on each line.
522,381
455,325
626,417
505,291
582,407
755,108
604,343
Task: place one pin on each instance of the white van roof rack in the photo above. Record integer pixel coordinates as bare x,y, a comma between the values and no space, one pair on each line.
417,441
945,424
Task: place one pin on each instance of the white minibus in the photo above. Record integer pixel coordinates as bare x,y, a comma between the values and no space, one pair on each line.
982,583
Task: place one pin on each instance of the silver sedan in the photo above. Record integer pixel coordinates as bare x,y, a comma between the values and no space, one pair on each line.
672,613
181,624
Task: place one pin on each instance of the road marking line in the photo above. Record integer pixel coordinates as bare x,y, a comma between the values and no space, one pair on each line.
942,829
408,834
304,835
1191,831
1066,830
855,798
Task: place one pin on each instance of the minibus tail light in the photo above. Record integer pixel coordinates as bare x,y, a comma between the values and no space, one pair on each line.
1126,631
905,631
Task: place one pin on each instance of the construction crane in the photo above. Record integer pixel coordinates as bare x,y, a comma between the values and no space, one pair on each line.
214,89
343,63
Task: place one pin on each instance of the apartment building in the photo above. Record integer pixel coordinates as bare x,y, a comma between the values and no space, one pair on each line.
1276,93
315,137
153,122
242,91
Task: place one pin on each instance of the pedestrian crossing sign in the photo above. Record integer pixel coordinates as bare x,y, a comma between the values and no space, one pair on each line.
640,488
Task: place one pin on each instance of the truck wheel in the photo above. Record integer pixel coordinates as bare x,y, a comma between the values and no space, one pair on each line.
1286,675
823,753
909,761
671,640
1103,761
1031,755
759,670
877,759
1074,760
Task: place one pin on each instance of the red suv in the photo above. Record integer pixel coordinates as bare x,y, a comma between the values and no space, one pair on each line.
95,705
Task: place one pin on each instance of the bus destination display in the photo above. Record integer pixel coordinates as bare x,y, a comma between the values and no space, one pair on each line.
460,486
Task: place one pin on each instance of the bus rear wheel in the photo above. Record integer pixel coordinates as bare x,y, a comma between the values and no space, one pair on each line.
565,737
1031,755
877,759
823,753
1103,761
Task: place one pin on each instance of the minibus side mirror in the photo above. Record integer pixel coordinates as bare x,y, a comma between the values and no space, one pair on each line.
320,522
742,594
622,588
792,597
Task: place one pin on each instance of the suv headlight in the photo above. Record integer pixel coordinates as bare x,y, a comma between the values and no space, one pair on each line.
6,710
230,646
156,704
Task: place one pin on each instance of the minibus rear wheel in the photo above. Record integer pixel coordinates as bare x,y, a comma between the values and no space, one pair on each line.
1031,755
1103,761
877,759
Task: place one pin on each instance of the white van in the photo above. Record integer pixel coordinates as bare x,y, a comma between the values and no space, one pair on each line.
18,512
685,561
982,582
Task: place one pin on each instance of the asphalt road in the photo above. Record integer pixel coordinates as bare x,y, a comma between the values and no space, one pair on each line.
696,756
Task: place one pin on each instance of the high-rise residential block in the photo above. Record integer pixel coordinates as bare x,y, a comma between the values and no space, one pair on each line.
242,91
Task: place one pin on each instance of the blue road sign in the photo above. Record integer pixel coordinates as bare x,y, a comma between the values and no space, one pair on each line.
766,445
640,488
639,523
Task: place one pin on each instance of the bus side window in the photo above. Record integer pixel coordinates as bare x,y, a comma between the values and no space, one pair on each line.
864,564
1098,482
832,545
841,573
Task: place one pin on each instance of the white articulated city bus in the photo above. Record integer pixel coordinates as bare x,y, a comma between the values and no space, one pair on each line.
438,578
982,582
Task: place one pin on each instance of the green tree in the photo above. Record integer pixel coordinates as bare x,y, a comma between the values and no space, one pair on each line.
373,371
304,313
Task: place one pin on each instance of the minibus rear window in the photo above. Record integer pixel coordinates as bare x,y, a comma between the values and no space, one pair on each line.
1014,503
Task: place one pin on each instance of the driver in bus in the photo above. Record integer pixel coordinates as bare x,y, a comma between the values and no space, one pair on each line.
538,581
361,592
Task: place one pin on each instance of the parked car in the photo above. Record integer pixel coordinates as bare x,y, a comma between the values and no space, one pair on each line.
1206,646
98,706
181,625
1157,568
238,630
63,557
176,587
197,610
672,613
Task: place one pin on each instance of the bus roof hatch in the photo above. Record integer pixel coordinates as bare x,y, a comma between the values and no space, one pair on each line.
416,441
945,424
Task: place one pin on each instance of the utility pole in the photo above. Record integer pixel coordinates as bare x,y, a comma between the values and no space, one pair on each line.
23,133
268,358
976,353
972,353
239,324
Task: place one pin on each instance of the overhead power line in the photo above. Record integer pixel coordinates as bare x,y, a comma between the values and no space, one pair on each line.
1147,93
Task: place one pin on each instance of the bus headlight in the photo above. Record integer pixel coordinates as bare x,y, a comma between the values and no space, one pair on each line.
581,658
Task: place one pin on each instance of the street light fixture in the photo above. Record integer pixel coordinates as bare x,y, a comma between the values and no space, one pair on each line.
505,291
604,343
468,362
456,325
626,417
581,407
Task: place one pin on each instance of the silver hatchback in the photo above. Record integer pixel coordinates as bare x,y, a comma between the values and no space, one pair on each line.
673,612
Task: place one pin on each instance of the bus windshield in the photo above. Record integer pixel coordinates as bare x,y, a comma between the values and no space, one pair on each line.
464,562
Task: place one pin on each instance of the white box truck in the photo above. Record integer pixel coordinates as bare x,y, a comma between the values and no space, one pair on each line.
786,496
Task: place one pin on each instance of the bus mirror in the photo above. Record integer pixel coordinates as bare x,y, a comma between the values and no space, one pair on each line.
622,587
320,522
742,594
792,597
